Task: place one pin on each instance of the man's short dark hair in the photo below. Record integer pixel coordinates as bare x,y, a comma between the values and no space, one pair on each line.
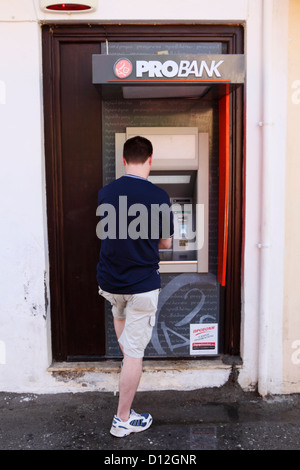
137,150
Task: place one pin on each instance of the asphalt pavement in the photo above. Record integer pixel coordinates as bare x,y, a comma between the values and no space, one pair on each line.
184,422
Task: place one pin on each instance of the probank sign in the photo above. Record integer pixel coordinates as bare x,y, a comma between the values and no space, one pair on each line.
168,68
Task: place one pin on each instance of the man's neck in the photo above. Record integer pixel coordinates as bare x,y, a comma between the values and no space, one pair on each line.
141,169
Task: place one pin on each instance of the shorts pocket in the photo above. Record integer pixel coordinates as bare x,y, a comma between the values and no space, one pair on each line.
108,296
147,334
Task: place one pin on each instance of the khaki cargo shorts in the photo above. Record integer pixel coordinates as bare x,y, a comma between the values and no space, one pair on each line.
138,311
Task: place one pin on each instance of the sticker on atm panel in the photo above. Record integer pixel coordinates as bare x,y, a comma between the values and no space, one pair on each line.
204,339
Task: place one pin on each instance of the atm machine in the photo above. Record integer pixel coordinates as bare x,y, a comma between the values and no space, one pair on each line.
180,166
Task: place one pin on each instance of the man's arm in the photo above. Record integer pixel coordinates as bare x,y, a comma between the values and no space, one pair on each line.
167,225
165,243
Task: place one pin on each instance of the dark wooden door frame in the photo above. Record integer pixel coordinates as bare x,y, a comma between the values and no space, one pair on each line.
53,36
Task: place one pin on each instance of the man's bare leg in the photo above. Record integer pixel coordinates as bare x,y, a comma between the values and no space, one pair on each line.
130,377
119,327
129,381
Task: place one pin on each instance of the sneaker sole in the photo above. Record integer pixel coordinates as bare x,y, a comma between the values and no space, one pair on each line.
119,432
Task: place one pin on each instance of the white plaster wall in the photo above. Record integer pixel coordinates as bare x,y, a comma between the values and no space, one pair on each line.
279,135
291,320
252,195
24,323
157,10
251,319
25,351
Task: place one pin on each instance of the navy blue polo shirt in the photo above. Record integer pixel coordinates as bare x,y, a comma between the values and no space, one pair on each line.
135,214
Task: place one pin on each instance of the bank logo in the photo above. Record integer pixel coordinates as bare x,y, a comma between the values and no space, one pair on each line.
123,68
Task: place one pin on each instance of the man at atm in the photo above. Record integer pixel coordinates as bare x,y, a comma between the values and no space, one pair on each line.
136,221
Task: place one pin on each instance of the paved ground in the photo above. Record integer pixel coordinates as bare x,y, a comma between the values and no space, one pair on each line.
209,419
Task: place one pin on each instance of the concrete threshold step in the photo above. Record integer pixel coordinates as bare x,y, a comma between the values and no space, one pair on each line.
109,366
157,374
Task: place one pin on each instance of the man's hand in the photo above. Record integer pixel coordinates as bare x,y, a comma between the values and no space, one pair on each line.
165,243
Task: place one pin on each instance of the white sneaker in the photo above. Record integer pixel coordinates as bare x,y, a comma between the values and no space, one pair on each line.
135,423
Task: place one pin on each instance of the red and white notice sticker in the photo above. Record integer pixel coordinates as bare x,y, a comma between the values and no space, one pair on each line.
204,339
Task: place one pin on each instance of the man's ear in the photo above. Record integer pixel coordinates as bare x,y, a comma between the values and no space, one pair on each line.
124,161
150,160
